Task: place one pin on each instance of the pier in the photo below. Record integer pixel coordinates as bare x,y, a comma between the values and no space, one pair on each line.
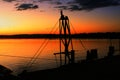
92,68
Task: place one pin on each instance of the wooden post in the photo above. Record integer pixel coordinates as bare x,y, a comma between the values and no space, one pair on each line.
72,56
111,51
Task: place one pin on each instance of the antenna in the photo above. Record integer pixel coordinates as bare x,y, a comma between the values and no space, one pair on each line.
61,12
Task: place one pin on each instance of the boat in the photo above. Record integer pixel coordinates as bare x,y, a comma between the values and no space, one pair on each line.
92,68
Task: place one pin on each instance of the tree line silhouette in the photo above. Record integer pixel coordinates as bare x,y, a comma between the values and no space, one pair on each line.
106,35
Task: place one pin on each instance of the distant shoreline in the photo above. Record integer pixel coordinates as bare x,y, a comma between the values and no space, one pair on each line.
108,35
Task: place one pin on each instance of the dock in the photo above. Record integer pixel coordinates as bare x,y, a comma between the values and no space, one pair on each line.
107,68
92,68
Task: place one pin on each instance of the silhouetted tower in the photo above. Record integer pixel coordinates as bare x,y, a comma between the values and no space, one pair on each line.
65,40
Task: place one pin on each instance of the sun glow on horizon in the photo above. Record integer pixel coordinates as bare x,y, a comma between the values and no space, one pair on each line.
37,22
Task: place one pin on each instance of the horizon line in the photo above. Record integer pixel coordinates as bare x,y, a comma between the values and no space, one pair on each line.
55,33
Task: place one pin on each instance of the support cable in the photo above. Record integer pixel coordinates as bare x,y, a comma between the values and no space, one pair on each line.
40,51
36,55
79,39
23,57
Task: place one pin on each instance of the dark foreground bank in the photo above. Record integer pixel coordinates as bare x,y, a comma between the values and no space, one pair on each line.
107,68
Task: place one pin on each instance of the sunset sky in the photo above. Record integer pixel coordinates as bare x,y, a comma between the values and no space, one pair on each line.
39,16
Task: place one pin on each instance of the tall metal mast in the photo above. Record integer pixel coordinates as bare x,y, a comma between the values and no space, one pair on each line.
65,40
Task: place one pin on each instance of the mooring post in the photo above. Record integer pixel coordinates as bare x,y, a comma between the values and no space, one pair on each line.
111,51
72,56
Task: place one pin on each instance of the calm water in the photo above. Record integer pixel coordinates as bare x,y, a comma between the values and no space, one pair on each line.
16,53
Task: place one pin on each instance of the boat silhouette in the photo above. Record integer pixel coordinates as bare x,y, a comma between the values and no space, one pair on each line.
92,68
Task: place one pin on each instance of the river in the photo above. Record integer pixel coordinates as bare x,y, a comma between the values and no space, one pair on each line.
16,54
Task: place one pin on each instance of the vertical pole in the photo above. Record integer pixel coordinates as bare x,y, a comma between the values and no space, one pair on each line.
110,42
66,43
66,51
119,46
72,56
60,30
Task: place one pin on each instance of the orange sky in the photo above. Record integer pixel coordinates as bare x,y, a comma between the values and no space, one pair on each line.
42,20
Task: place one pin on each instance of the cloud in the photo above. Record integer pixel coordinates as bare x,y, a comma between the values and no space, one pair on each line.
44,0
26,6
72,5
74,8
62,7
91,4
57,3
9,0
